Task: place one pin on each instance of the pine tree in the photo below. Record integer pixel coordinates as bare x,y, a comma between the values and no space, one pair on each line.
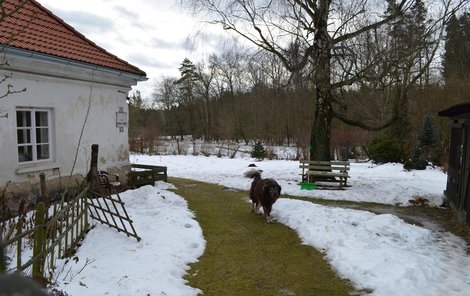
187,82
427,149
456,61
258,151
428,136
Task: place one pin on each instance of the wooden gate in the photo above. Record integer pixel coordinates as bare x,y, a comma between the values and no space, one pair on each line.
109,210
102,206
458,175
465,172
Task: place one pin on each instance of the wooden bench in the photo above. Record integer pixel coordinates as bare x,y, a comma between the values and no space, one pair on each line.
142,174
325,171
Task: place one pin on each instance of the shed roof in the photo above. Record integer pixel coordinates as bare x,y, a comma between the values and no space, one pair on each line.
27,25
456,110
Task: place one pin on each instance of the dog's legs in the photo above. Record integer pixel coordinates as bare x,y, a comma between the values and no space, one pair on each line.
267,213
258,205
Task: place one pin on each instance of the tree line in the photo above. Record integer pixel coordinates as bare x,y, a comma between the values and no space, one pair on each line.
381,84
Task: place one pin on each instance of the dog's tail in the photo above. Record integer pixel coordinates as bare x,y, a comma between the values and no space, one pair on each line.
253,174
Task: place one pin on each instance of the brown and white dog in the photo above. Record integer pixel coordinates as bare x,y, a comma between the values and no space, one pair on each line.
263,193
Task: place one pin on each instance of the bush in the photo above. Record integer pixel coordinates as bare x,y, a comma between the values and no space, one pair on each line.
386,148
258,151
417,161
427,148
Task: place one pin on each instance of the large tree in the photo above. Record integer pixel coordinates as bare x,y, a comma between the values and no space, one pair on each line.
456,61
327,35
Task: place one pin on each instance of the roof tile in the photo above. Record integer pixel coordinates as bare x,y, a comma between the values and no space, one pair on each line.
28,25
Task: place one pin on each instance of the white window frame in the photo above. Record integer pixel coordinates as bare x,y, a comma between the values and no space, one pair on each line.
33,128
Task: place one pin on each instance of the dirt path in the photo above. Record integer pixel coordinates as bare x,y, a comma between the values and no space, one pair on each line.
246,256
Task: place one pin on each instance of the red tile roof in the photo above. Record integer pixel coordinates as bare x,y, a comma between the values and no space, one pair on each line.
32,27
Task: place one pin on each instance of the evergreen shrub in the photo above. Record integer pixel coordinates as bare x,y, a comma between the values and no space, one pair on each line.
386,148
258,151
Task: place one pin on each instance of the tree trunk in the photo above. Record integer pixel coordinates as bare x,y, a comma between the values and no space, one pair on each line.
321,129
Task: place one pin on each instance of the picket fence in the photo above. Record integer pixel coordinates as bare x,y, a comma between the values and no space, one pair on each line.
59,235
55,232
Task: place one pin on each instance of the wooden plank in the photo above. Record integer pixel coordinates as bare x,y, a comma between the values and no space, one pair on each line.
327,168
322,162
327,174
149,167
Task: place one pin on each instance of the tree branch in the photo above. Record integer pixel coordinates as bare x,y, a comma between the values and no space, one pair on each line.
397,11
357,123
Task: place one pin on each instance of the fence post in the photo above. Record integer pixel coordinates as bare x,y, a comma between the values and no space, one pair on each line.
19,230
42,178
92,177
39,241
45,199
3,265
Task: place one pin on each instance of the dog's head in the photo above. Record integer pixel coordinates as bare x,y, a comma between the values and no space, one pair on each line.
273,189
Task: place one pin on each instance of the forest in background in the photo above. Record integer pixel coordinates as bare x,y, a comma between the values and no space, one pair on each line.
246,95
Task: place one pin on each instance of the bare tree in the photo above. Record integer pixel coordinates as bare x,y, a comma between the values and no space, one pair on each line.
326,32
7,37
230,71
205,91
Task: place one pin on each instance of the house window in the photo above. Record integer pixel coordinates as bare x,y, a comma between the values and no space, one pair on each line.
33,134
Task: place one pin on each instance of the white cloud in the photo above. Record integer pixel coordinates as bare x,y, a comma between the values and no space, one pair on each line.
152,35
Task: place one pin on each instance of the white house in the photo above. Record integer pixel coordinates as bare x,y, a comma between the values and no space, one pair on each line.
61,93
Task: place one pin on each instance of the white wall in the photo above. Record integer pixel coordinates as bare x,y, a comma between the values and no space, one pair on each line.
53,85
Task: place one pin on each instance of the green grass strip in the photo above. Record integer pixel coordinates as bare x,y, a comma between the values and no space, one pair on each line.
246,256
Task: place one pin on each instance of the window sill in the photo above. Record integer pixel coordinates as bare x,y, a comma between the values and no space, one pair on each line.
37,168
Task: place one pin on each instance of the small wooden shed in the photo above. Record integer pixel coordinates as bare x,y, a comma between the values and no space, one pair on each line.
458,175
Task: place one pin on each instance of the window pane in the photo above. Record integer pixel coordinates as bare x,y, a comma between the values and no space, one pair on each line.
42,135
43,151
41,118
25,153
33,129
23,118
24,136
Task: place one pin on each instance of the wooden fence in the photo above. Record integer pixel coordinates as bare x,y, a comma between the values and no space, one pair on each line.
110,210
56,229
55,232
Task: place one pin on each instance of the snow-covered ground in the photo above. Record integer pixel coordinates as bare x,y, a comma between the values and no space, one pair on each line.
388,183
377,252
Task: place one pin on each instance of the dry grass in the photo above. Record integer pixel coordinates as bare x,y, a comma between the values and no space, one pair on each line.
246,256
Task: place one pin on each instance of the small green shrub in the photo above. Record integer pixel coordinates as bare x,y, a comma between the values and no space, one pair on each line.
417,161
386,148
258,151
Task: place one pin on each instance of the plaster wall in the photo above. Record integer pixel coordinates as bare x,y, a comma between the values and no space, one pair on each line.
83,104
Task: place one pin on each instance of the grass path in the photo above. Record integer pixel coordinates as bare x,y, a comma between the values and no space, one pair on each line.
246,256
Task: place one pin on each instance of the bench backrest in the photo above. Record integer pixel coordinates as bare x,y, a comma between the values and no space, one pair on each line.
318,165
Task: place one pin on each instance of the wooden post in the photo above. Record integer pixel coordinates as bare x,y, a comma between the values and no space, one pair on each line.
309,149
45,200
19,231
3,265
42,178
39,241
93,173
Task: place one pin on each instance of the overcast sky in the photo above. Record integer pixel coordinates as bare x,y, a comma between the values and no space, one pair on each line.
154,35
